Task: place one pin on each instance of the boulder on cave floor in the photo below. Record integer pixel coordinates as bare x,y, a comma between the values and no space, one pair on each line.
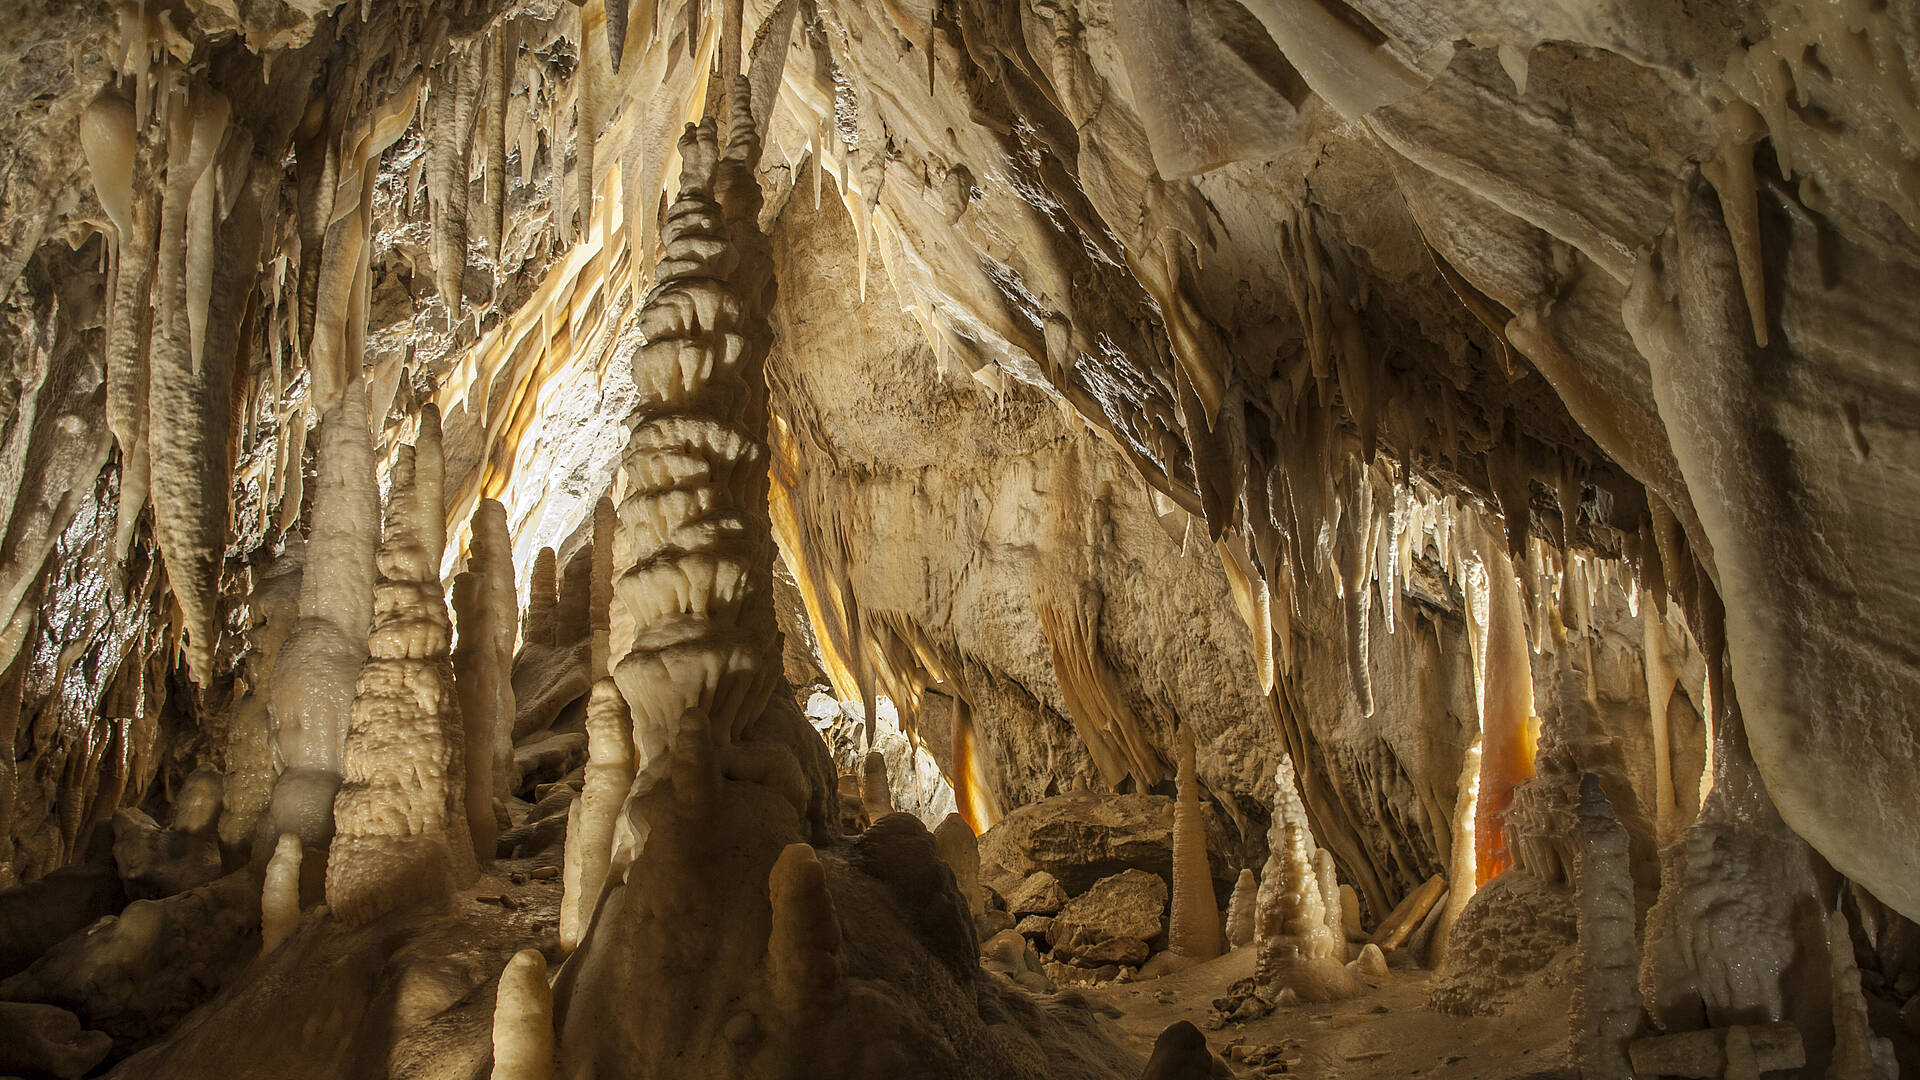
1083,836
1112,922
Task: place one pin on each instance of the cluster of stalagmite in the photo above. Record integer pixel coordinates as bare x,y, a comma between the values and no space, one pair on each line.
1297,926
314,678
401,833
488,615
1193,928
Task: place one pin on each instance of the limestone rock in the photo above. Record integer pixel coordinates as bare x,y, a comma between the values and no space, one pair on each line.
1082,837
1112,922
1040,894
47,1039
156,862
546,758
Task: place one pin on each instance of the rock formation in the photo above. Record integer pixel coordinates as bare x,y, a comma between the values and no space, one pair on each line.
486,613
523,1020
1448,401
400,816
1240,912
1606,997
1193,929
609,773
318,668
280,893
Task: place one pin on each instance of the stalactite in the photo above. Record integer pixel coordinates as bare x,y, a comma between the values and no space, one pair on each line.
1506,750
401,811
313,685
488,610
452,96
523,1020
504,52
1193,928
1353,551
181,430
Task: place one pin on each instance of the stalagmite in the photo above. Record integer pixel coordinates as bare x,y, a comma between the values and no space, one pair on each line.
960,849
803,948
1606,993
539,627
280,894
313,680
1193,928
600,600
487,611
875,797
1858,1054
523,1020
1240,910
250,734
1296,950
609,773
400,815
1327,876
572,856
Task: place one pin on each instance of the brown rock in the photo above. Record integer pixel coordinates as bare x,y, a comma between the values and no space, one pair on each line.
1040,894
1082,837
1111,922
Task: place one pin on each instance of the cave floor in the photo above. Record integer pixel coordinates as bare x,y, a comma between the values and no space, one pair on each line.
1388,1032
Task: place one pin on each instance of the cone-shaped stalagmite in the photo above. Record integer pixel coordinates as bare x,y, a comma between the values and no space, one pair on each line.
609,773
484,600
875,794
280,894
1240,910
1193,928
313,680
523,1020
401,812
703,938
960,849
543,600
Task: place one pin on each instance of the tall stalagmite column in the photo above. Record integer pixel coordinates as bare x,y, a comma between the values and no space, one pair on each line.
313,680
488,610
1194,927
1606,993
401,812
692,948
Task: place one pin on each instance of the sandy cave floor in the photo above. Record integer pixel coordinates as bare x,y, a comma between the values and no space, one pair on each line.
1389,1032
